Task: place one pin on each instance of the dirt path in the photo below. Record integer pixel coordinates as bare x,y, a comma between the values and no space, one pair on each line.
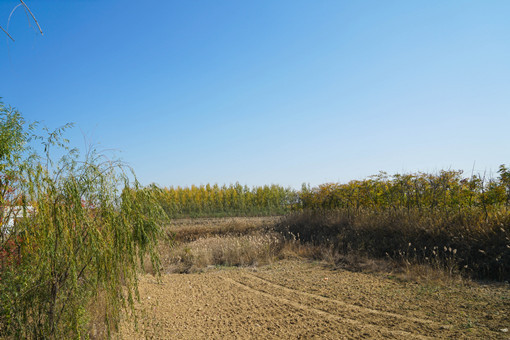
295,299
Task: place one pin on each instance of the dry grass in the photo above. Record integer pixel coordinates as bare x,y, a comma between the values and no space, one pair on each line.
96,325
227,250
467,242
188,230
197,244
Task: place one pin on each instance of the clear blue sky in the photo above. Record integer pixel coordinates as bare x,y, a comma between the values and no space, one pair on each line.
261,92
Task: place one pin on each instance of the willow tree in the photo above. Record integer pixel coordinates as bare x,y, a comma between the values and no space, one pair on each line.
86,227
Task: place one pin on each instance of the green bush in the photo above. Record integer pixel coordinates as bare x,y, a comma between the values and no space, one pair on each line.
85,231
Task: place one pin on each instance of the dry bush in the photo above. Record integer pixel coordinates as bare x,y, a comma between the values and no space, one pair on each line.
426,273
222,251
198,243
468,241
293,249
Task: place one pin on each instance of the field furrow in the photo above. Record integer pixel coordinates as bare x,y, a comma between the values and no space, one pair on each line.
299,300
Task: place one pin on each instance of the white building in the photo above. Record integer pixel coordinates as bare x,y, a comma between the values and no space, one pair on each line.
10,215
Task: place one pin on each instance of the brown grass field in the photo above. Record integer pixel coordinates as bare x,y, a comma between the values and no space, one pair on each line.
235,278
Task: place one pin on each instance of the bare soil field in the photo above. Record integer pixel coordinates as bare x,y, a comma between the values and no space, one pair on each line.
298,299
232,278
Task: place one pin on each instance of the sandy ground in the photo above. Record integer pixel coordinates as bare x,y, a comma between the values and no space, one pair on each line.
295,299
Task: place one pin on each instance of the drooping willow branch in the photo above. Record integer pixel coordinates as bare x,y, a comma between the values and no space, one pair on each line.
33,16
29,12
6,33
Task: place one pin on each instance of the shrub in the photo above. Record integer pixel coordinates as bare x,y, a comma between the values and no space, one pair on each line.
89,233
467,241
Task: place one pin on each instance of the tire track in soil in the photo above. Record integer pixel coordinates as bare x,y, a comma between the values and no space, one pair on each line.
207,306
434,326
286,302
377,328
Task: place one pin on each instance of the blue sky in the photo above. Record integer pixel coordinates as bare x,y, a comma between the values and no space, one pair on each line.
261,92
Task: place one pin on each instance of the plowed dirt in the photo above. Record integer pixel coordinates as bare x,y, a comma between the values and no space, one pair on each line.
295,299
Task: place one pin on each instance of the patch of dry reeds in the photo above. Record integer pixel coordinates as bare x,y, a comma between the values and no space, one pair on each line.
246,250
469,241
